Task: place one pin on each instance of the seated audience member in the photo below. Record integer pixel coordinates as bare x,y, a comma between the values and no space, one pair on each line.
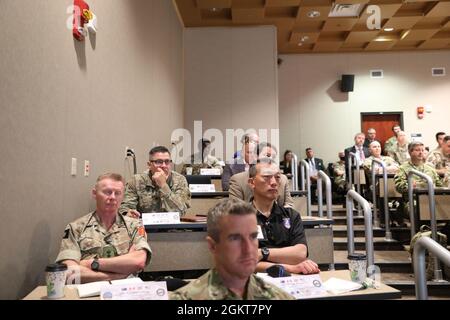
339,173
242,160
375,151
440,159
105,245
416,162
440,140
399,152
159,189
233,242
315,165
284,240
371,134
286,164
358,149
447,179
240,189
390,143
202,159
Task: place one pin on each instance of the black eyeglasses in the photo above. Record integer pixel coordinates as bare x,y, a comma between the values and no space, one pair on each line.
160,162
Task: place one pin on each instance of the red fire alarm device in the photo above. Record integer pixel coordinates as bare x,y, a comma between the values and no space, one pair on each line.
420,112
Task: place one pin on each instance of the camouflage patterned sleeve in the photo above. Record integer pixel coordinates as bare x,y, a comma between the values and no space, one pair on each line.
70,249
432,160
446,181
437,180
401,181
179,197
131,198
140,238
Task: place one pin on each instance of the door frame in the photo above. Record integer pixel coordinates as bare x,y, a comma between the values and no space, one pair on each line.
399,113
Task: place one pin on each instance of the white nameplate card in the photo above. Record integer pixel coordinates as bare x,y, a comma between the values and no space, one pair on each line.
209,172
160,218
202,188
299,286
152,290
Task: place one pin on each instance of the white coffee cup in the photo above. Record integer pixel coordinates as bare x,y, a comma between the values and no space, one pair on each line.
189,171
357,264
55,276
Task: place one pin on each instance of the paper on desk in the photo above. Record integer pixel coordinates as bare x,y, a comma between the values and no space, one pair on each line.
339,286
93,289
90,289
299,286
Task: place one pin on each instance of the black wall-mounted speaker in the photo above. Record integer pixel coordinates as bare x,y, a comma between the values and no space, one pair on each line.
347,82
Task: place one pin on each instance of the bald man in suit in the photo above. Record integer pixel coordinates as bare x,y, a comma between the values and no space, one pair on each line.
240,189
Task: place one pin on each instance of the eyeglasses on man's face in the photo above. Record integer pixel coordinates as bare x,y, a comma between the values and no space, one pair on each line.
160,162
268,177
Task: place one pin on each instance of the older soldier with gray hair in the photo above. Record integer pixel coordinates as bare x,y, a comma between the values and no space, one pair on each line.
105,245
416,162
233,242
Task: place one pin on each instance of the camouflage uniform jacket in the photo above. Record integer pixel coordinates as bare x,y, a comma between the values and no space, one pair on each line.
437,160
447,178
339,180
390,144
388,161
400,153
401,178
86,238
195,162
143,195
210,287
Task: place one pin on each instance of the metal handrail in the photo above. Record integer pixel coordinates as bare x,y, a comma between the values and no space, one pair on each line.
353,195
437,270
352,156
322,175
387,221
304,166
439,252
294,172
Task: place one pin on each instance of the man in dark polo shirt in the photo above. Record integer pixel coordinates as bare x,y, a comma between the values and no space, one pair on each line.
282,239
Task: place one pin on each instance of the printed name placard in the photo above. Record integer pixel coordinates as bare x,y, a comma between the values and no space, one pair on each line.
151,290
209,172
160,218
202,188
299,286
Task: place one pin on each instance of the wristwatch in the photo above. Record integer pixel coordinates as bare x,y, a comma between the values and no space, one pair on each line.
95,266
265,253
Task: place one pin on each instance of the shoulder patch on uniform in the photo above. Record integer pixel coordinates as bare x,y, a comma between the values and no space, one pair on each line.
66,234
141,231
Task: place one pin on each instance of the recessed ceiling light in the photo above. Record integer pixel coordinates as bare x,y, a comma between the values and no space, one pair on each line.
313,14
304,38
388,29
300,44
215,9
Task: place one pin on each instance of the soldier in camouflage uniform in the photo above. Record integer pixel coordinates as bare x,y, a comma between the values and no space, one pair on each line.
339,172
197,161
447,179
375,150
399,152
401,178
233,242
439,159
392,141
440,140
104,245
157,190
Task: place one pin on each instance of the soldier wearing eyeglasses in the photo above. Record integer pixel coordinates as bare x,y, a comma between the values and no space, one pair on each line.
282,238
159,189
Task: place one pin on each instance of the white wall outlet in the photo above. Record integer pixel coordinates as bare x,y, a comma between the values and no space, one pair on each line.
87,168
73,168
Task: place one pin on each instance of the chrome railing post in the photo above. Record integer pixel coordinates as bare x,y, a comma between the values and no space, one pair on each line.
353,195
387,220
322,175
352,156
304,166
439,252
294,171
437,270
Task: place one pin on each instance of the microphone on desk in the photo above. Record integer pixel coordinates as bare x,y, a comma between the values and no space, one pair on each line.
277,271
